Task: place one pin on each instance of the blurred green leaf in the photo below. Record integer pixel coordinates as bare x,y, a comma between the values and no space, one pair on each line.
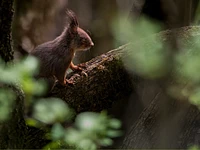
195,97
29,65
147,57
188,65
8,75
148,60
126,31
106,142
57,131
33,87
86,144
40,87
92,128
113,133
32,122
52,110
194,147
53,145
115,124
90,121
7,97
72,136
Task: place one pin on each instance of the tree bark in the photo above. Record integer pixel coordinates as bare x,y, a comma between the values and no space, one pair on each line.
6,13
104,81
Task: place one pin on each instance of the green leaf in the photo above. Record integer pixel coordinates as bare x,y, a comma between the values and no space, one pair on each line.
40,87
106,142
90,121
114,123
72,136
29,65
53,145
195,147
32,122
57,131
7,97
195,97
113,133
86,144
52,110
8,76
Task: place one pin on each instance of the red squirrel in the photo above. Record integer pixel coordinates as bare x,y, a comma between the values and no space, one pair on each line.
55,56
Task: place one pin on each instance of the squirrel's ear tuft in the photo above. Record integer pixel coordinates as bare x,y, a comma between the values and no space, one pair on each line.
73,22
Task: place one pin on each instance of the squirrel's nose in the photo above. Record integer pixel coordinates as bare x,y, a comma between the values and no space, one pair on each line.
92,44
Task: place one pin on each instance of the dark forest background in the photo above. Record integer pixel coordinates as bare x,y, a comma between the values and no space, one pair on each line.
39,21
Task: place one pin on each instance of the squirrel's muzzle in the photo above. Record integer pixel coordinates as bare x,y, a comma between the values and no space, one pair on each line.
91,44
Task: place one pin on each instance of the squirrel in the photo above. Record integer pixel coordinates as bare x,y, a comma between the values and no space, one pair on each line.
55,56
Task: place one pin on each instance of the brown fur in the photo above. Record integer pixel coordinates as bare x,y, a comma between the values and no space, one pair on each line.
55,57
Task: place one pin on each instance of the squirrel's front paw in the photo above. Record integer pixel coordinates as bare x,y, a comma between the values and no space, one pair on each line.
83,66
69,82
76,68
65,82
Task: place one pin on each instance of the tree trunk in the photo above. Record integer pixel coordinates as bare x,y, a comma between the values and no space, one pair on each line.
6,13
165,123
105,81
12,132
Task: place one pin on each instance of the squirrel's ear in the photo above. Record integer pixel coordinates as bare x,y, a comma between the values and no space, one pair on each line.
73,22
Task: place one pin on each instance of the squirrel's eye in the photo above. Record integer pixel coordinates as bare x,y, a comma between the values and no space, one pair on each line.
83,40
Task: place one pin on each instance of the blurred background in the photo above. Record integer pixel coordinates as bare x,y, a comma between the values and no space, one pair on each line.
38,21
